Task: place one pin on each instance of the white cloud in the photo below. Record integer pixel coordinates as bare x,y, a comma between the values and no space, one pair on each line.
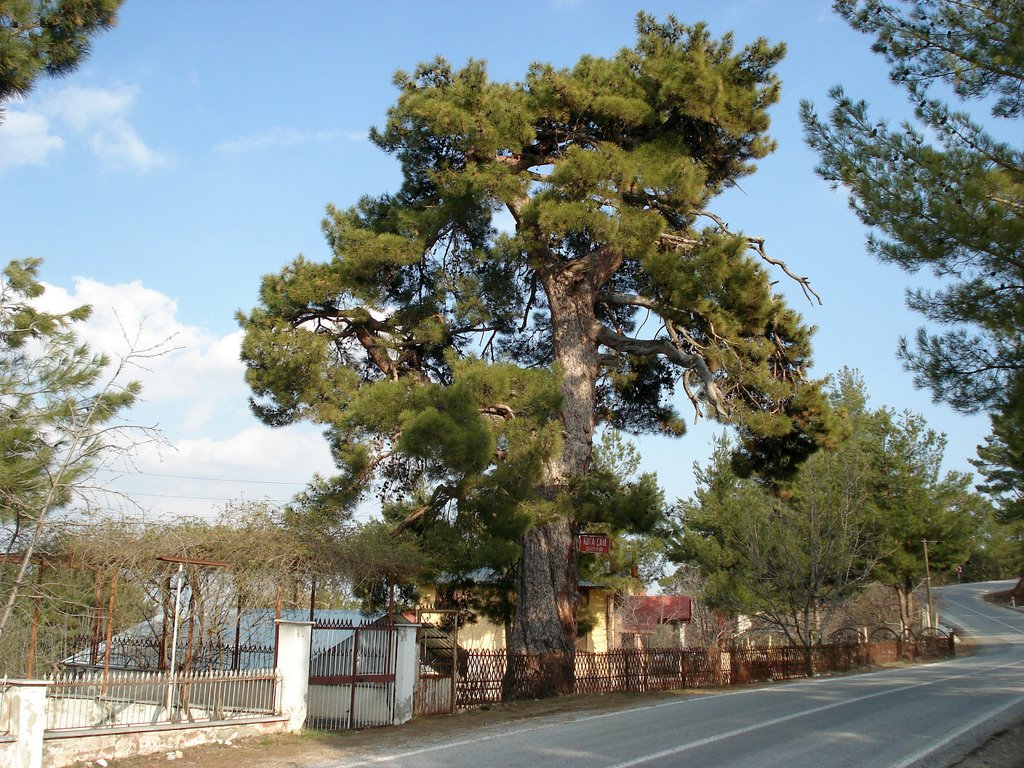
187,364
283,137
25,139
83,109
100,116
198,477
215,450
120,148
245,453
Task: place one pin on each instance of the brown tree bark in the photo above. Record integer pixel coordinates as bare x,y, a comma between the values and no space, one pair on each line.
547,591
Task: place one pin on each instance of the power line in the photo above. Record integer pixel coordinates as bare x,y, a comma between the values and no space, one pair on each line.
199,498
207,479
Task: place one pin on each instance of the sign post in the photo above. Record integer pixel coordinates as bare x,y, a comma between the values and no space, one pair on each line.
594,543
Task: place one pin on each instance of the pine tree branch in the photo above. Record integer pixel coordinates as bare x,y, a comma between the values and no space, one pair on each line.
756,244
499,411
695,363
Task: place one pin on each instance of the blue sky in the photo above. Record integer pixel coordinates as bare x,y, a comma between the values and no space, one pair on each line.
196,148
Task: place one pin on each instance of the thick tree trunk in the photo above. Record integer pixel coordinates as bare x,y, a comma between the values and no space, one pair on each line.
545,623
547,595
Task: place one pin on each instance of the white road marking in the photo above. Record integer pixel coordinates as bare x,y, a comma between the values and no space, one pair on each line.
803,713
377,760
520,731
986,616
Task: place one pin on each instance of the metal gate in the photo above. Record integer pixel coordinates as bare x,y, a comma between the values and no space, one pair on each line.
351,675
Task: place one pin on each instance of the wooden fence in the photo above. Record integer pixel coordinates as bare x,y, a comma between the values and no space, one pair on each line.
486,677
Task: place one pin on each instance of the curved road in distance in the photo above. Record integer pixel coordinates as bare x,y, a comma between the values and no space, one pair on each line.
927,715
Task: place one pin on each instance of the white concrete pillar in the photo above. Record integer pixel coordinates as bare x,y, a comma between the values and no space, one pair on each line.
406,663
293,648
28,721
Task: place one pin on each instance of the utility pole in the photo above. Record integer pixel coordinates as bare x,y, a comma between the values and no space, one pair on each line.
928,584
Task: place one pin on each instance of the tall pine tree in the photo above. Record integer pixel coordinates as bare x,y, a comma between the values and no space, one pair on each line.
60,418
463,367
1001,459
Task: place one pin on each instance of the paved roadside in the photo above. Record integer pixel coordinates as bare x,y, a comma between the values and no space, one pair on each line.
320,750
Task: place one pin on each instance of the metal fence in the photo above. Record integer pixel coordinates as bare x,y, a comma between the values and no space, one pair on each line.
491,676
119,699
435,685
226,657
150,653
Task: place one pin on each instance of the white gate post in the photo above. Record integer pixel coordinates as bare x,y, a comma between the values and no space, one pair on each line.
28,721
293,649
406,667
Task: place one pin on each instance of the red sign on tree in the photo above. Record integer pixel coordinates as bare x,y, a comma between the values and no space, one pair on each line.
594,543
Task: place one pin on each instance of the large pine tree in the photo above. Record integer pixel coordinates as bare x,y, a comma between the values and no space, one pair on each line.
549,264
941,192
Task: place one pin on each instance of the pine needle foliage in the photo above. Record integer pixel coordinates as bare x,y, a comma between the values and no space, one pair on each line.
47,38
461,368
941,192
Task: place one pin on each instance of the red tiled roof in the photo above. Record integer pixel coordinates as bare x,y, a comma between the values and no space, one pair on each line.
646,612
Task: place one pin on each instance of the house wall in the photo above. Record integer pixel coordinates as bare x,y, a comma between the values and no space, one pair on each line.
481,635
600,637
600,604
484,635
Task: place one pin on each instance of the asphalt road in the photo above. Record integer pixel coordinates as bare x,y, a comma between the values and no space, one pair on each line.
929,715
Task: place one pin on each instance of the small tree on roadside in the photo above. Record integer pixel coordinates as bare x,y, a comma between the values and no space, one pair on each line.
857,511
60,411
916,502
791,558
